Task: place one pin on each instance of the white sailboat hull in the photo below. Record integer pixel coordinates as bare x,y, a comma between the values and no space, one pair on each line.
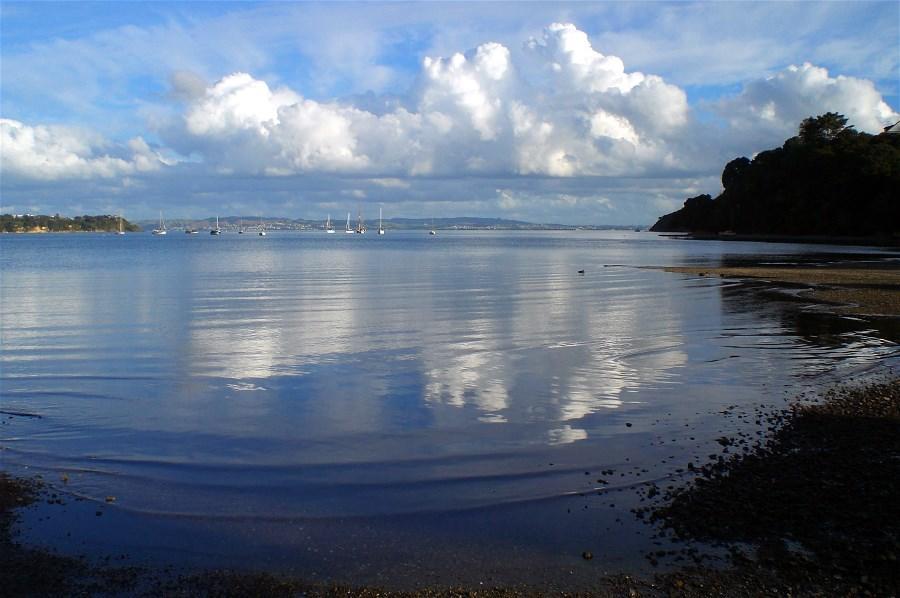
162,226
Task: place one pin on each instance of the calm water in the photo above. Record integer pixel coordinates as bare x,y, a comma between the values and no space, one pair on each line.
402,409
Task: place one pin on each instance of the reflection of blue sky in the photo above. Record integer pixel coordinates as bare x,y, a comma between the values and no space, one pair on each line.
399,360
533,344
563,349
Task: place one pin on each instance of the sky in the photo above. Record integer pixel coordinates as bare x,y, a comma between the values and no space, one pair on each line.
575,113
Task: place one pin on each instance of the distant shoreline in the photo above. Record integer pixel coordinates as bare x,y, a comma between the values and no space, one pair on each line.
60,232
233,229
43,223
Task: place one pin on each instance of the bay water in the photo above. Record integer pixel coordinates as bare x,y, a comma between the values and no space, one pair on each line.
398,410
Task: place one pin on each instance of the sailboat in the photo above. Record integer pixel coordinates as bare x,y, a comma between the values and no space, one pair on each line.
360,226
348,230
432,231
121,231
162,226
262,228
329,228
241,227
217,230
380,223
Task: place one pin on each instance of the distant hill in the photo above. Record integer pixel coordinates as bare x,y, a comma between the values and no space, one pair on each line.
31,223
457,223
829,180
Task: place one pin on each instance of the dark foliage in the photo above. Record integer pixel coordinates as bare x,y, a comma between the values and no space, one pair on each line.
828,180
57,224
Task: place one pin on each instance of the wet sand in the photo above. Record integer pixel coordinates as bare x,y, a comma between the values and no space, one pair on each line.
860,289
811,509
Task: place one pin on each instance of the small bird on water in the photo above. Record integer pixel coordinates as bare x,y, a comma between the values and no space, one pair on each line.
581,271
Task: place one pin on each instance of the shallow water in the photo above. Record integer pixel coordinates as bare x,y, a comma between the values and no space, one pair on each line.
401,409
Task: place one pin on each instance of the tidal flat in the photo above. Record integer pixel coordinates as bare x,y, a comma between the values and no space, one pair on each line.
862,288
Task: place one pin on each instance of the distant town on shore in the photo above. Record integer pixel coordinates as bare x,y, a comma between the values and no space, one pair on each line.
31,223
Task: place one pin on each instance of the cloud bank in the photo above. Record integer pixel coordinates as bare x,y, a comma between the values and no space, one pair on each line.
566,110
52,153
553,124
570,111
778,103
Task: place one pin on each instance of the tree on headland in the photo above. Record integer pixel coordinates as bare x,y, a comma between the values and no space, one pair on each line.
28,223
824,127
828,180
733,171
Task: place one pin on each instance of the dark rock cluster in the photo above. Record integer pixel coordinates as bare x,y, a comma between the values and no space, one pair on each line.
816,507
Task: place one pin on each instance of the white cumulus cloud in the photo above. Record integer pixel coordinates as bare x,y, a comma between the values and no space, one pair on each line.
780,102
570,111
238,102
572,62
556,107
55,153
471,89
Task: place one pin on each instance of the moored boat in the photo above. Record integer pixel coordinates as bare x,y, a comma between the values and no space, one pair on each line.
162,226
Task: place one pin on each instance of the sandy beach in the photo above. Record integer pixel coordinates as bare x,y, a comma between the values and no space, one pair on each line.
860,289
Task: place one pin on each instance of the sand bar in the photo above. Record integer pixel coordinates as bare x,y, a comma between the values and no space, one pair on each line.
862,289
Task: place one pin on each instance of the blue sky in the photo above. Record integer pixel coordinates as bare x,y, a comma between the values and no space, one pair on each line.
599,113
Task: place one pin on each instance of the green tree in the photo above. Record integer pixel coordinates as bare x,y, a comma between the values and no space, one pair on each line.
824,127
829,180
733,171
